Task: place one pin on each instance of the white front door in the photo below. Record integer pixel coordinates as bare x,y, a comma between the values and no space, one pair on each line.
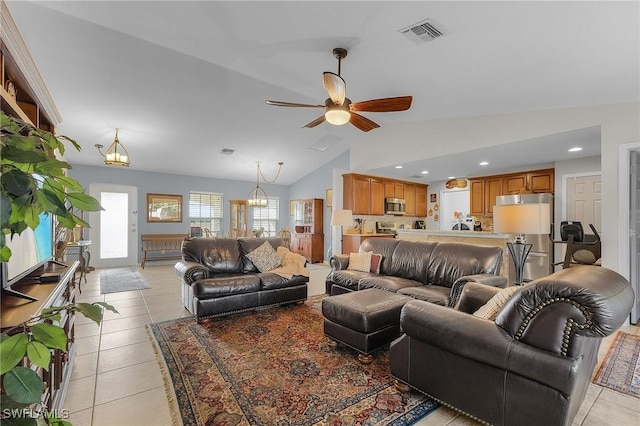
114,231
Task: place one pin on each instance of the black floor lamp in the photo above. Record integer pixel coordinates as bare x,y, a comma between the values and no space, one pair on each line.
521,220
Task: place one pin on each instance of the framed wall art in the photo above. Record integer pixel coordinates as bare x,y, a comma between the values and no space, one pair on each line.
329,197
164,208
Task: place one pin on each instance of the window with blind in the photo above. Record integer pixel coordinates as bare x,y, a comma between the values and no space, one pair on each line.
267,218
205,214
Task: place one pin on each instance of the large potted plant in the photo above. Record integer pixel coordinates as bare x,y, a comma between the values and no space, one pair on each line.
33,180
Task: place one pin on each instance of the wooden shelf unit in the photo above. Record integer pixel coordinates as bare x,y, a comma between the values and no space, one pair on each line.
308,237
15,311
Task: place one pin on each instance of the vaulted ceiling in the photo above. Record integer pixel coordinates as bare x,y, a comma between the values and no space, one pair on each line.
184,80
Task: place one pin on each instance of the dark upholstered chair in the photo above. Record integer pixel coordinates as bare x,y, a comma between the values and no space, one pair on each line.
532,366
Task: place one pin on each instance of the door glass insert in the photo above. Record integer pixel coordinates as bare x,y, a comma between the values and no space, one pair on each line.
114,225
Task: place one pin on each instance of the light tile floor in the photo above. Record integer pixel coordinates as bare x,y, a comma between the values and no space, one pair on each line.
116,380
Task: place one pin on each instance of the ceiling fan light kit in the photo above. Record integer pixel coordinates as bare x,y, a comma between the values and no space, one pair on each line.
339,109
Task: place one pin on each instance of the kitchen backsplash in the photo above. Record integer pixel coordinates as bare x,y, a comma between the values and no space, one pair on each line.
400,221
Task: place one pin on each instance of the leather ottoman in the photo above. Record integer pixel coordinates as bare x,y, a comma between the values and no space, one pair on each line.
364,320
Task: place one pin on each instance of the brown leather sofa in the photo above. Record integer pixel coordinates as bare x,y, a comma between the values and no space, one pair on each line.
532,366
435,272
218,279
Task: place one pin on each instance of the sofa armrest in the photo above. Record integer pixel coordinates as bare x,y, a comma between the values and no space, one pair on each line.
473,296
339,262
487,279
190,272
484,342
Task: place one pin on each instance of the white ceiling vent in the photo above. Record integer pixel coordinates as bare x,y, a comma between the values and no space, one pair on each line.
227,151
422,32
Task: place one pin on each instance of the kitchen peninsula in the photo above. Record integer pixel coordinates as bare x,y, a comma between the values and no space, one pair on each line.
480,238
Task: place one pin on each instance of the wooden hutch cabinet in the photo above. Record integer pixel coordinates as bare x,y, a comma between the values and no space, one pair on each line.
238,216
308,237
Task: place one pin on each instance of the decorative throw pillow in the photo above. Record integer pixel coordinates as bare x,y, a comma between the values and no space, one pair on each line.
584,257
360,261
490,309
376,259
265,257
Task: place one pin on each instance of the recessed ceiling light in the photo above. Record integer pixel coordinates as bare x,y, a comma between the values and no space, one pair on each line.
575,149
451,177
398,167
484,163
424,172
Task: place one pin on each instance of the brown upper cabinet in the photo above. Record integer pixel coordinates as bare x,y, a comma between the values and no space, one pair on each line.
365,195
484,190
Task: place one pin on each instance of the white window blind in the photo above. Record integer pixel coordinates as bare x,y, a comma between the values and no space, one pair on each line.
205,214
267,218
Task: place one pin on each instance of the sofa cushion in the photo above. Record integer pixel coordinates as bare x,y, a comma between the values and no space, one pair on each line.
376,260
386,282
219,255
450,261
383,246
410,260
226,286
586,257
247,245
490,309
430,293
349,279
360,261
270,281
264,257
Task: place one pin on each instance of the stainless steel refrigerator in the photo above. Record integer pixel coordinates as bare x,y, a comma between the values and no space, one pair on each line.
540,260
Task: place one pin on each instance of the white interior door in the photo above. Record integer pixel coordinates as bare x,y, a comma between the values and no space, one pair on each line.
584,201
634,231
114,231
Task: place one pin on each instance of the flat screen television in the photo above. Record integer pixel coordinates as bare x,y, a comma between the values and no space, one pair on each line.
29,251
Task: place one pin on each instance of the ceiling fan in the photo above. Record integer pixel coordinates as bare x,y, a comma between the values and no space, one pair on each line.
339,109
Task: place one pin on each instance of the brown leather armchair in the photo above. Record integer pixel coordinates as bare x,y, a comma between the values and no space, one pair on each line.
532,366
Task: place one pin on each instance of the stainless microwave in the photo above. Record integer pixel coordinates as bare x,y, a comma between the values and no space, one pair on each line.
395,206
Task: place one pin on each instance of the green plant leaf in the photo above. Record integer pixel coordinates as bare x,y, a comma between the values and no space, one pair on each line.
5,210
32,217
50,335
91,311
16,182
52,167
39,354
15,154
70,183
5,253
12,351
107,307
50,202
23,385
83,201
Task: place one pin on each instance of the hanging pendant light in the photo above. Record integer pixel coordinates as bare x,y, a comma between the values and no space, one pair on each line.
258,197
116,154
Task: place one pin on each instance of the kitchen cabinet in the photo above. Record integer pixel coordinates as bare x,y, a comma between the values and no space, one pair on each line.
393,189
476,194
410,199
377,197
421,200
484,190
351,242
308,238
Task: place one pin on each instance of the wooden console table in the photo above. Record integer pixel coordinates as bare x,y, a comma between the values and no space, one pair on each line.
15,311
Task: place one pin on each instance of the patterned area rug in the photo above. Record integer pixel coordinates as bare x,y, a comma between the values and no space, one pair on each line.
115,280
275,367
620,370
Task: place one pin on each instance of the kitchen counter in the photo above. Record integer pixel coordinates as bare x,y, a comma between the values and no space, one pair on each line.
351,242
409,233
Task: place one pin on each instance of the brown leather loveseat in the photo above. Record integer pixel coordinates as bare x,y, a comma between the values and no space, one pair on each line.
435,272
217,277
532,365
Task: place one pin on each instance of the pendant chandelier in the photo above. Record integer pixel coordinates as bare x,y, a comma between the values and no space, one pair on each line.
116,154
258,197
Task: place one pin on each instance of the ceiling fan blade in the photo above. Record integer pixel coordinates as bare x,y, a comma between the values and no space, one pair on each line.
400,103
292,104
362,123
335,87
315,122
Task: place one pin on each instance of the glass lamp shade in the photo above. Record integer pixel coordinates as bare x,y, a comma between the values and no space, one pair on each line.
522,219
342,218
257,198
337,116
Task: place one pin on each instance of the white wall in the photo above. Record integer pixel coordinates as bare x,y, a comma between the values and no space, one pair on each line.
619,123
